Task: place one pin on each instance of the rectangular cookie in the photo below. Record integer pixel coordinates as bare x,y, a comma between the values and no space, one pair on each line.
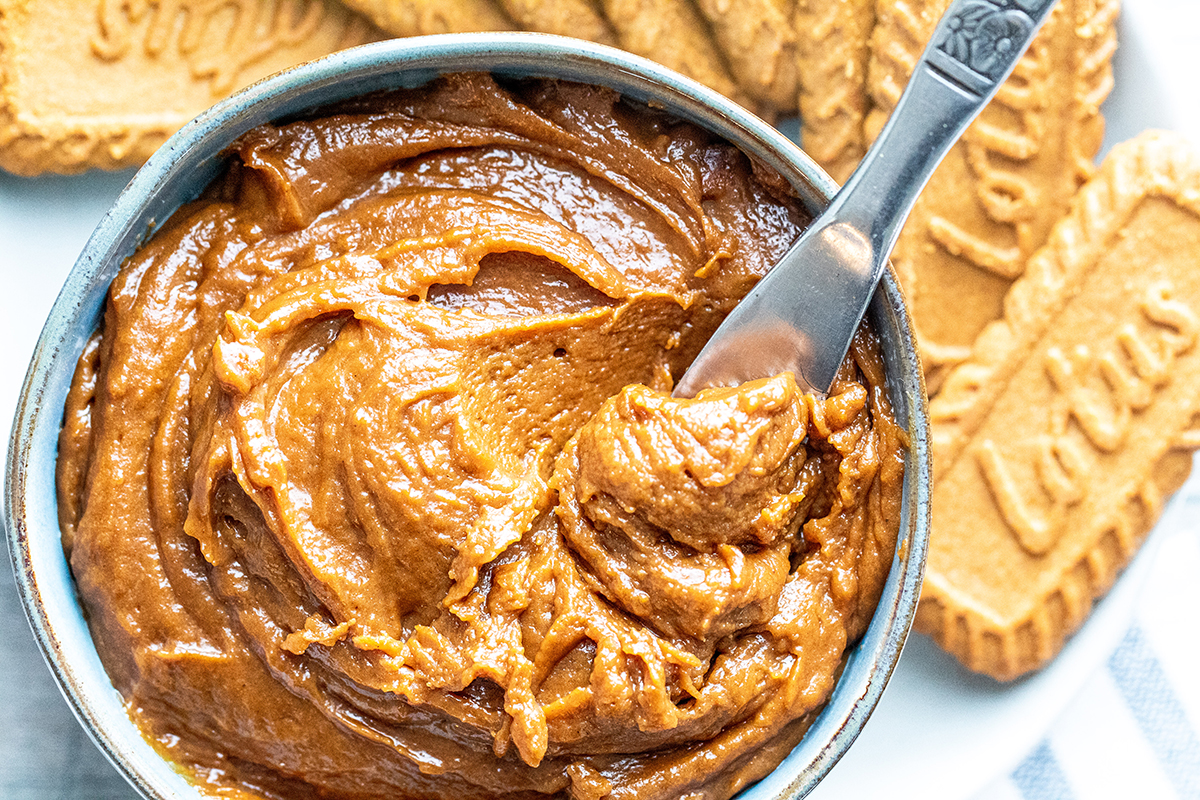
676,35
1058,440
833,49
993,200
102,83
578,18
425,17
759,44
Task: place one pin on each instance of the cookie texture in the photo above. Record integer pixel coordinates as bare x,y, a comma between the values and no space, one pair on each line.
993,200
120,77
101,83
675,34
1057,441
578,18
833,50
423,17
759,44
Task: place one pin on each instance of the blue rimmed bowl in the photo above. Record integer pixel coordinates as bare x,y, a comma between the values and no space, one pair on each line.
193,157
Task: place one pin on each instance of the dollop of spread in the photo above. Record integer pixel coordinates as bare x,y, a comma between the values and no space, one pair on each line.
372,485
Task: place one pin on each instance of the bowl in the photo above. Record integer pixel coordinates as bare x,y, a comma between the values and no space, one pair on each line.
193,157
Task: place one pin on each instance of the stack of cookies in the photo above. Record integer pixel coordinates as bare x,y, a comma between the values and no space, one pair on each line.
1057,303
99,83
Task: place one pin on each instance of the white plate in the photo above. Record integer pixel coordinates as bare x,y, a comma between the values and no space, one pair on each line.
940,733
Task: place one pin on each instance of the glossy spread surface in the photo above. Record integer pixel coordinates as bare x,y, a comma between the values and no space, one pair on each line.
372,487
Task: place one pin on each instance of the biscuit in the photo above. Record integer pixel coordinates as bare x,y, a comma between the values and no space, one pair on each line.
759,44
993,200
673,33
833,50
1057,441
578,18
102,83
421,17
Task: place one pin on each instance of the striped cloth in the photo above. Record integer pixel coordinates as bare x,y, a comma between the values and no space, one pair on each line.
1133,731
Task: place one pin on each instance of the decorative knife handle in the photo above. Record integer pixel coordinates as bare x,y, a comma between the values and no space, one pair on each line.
974,48
978,42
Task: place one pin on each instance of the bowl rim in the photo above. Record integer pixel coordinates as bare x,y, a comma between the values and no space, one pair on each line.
192,156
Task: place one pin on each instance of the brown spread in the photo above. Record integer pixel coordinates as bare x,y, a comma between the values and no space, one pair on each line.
372,486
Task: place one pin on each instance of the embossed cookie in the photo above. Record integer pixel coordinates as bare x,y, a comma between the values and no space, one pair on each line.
833,50
994,199
759,43
421,17
1058,440
102,83
673,33
578,18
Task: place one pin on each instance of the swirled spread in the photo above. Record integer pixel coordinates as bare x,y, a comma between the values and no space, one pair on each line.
372,485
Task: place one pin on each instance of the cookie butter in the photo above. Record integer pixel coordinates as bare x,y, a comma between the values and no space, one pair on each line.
372,486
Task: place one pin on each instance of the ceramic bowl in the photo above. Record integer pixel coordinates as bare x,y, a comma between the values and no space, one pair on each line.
192,158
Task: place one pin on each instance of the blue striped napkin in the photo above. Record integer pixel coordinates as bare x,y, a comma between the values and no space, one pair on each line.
1133,731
